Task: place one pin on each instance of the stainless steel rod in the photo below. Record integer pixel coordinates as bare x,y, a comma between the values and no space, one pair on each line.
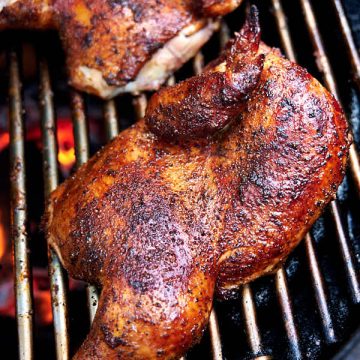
50,171
23,286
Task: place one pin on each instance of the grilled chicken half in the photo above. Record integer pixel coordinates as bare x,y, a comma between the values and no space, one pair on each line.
118,46
214,188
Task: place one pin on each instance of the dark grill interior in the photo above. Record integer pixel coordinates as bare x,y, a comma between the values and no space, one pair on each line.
308,309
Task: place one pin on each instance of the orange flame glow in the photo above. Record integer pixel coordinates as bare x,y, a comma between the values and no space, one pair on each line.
4,140
43,304
65,138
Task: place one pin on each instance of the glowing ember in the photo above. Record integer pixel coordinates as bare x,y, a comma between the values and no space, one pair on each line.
65,138
4,140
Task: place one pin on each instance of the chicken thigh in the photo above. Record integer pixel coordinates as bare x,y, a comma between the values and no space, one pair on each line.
214,188
119,46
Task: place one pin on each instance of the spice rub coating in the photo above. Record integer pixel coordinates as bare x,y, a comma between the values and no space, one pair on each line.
162,224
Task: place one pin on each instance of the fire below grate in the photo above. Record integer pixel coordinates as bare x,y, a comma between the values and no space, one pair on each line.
308,309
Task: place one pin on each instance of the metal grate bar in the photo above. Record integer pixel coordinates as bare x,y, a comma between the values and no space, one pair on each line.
252,328
198,63
215,337
82,155
325,67
346,255
111,123
23,287
316,276
286,307
56,272
349,41
80,128
318,284
140,103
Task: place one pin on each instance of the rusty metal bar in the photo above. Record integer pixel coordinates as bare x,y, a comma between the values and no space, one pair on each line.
325,67
286,307
316,276
50,172
23,286
349,41
82,155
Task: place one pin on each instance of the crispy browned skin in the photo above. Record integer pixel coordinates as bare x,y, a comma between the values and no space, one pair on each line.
161,223
200,108
114,37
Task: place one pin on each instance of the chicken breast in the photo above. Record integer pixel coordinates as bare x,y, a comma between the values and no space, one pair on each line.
115,46
214,188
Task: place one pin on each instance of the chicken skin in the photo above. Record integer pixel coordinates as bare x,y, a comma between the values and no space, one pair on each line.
121,46
179,209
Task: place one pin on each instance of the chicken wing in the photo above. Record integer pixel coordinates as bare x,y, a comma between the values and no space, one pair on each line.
121,46
163,220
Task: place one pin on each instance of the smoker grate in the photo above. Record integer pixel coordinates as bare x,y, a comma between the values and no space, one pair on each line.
58,279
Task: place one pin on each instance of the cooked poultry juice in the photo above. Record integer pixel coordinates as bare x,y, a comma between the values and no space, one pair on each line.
212,189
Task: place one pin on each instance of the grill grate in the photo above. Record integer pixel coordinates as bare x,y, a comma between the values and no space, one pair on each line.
58,279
